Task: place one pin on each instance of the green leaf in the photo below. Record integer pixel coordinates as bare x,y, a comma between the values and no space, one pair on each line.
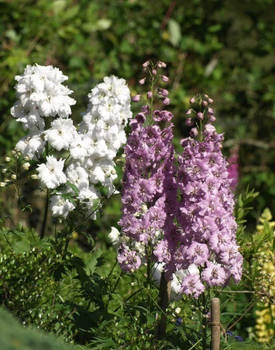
174,32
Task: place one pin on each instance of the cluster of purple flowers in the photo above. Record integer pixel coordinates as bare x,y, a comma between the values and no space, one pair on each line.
182,209
149,166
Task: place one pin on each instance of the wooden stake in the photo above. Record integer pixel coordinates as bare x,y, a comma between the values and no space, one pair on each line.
215,324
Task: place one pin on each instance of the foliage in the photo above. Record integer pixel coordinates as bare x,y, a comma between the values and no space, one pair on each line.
14,336
226,48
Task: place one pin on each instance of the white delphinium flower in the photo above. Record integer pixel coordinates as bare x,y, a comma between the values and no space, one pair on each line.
114,236
31,146
61,206
28,116
61,134
78,176
41,87
51,174
79,147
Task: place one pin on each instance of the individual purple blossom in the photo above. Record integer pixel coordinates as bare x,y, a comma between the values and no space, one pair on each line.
166,101
136,98
192,285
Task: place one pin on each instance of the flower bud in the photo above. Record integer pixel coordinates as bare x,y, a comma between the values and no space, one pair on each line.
161,64
142,81
192,100
204,103
194,132
149,94
7,159
13,177
166,101
189,122
210,110
154,72
34,177
188,112
136,98
164,78
163,92
200,115
146,64
4,170
210,100
2,184
212,118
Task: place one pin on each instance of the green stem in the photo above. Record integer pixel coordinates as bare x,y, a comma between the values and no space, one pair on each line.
164,298
46,209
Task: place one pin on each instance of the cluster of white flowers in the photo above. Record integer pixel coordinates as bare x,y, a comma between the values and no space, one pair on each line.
44,109
40,95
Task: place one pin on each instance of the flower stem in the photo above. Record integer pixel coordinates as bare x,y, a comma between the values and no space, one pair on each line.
43,227
164,298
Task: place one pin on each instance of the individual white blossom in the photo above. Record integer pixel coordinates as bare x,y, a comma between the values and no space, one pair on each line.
51,174
61,206
114,236
31,146
61,134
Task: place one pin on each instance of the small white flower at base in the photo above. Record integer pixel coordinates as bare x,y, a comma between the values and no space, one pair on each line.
114,236
51,174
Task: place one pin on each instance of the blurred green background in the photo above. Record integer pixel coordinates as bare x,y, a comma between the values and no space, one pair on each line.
223,48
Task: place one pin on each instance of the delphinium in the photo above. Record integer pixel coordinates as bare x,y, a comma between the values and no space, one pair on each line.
205,213
148,182
70,160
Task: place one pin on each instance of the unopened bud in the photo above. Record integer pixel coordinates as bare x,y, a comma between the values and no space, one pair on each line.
188,112
210,110
149,94
26,166
161,64
4,170
34,177
164,78
200,115
194,132
189,122
7,159
166,101
163,92
204,103
142,81
2,184
192,100
136,98
154,72
210,100
146,64
212,118
13,177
